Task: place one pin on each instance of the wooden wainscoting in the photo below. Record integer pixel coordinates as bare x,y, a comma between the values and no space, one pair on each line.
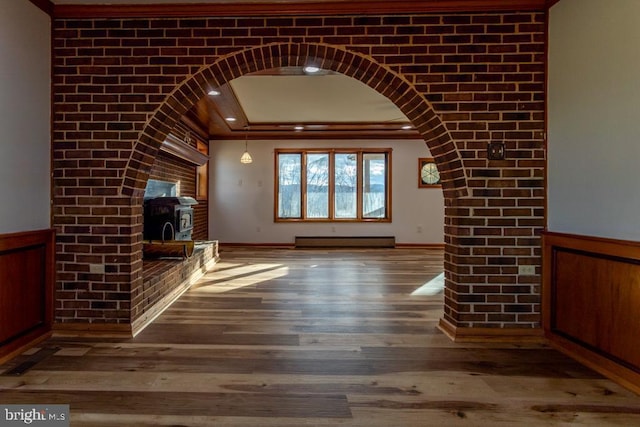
591,298
27,273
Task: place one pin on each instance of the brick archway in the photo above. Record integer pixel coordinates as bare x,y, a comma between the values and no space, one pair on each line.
390,84
463,79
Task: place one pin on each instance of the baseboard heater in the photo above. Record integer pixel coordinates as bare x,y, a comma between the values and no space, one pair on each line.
345,242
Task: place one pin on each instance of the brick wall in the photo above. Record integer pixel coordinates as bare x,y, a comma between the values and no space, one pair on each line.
201,221
171,169
463,80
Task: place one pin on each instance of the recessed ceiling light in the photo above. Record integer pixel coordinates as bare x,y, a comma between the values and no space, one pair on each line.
311,69
230,119
299,127
214,92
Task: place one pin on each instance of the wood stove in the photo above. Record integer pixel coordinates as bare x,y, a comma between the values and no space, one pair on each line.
168,218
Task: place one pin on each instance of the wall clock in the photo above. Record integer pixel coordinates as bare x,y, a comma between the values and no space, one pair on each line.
428,175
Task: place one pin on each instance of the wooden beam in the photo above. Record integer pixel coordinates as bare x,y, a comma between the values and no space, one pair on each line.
356,7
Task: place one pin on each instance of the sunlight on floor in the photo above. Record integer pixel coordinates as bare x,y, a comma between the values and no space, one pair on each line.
432,287
229,276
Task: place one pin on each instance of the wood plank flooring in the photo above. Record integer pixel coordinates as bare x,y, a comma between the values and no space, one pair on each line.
282,337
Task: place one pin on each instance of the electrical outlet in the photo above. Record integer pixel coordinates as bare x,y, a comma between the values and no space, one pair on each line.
96,268
419,229
527,270
495,151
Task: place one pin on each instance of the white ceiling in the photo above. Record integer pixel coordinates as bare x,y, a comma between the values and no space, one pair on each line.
333,98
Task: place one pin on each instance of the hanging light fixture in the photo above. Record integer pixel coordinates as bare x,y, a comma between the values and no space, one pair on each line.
246,157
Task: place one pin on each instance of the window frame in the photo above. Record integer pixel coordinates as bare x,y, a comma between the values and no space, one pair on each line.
359,152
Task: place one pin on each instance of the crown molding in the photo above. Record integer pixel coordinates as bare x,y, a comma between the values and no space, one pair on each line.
335,7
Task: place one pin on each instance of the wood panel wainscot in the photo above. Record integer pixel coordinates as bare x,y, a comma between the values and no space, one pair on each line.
591,297
27,273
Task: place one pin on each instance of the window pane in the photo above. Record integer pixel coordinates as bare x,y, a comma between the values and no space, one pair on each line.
289,185
346,178
318,185
374,184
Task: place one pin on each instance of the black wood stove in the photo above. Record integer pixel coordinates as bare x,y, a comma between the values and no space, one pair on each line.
168,218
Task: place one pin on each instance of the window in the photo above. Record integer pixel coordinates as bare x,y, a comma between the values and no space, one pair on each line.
157,188
333,185
289,185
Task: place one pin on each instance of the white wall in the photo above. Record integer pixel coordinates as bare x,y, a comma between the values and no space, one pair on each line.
242,196
25,106
594,118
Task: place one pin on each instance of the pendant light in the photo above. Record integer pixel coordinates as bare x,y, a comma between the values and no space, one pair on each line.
246,157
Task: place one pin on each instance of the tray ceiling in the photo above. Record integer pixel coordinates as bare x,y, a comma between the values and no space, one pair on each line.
312,99
286,103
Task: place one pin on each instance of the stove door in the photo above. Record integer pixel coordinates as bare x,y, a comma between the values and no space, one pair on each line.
185,219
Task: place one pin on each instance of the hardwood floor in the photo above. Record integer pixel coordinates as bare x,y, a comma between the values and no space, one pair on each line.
285,337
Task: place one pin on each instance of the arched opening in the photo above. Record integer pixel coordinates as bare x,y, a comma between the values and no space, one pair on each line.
388,83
